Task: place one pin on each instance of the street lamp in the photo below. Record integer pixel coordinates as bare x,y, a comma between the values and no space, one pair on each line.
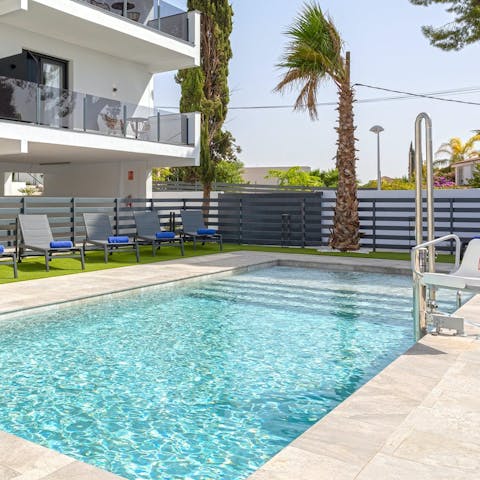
378,129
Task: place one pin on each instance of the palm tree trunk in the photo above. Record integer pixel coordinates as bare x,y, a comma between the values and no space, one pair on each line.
346,224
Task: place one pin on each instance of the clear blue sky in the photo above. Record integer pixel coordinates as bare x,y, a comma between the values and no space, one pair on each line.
388,49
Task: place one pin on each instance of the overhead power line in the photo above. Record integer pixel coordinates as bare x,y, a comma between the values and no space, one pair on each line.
433,96
402,95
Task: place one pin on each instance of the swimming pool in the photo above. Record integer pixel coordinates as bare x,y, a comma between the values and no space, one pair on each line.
203,381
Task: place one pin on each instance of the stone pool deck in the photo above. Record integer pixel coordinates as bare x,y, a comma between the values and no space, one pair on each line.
418,419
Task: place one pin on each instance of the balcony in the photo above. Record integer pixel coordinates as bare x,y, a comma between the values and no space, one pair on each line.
101,126
155,14
148,32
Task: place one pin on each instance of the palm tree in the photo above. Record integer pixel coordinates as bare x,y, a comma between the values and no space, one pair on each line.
457,151
314,54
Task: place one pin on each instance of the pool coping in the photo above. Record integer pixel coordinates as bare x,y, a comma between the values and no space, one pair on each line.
354,438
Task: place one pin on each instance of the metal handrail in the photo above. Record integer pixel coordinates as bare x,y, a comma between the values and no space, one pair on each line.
436,241
420,304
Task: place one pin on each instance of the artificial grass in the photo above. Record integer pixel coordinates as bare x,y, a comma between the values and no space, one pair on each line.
34,267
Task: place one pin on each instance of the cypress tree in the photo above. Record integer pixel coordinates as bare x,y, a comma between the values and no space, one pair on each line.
205,88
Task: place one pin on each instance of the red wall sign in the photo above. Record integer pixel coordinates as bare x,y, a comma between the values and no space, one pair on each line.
131,175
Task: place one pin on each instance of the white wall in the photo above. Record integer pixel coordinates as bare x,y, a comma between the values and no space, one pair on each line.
99,180
90,71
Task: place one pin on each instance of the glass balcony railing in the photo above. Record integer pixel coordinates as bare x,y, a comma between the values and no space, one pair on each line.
32,103
155,14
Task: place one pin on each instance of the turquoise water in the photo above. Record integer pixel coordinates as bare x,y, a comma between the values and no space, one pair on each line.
204,381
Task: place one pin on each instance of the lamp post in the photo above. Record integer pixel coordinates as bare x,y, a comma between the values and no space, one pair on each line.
378,129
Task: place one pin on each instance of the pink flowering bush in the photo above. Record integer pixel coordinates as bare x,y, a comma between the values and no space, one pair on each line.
442,182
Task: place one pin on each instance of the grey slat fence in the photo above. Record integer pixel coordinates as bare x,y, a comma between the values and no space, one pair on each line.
303,219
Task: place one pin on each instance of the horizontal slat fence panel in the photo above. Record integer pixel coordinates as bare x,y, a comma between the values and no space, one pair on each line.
303,219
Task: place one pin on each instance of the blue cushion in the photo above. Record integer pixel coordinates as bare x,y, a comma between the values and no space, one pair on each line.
61,244
2,249
206,231
165,235
118,239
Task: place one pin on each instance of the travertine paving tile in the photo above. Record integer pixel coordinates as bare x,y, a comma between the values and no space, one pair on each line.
7,473
81,471
385,467
294,463
439,450
26,457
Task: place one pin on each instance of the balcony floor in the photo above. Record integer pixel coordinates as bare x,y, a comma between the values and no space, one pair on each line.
37,145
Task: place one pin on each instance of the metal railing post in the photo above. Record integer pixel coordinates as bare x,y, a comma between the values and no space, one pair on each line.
419,297
84,113
420,294
374,225
124,120
158,126
38,105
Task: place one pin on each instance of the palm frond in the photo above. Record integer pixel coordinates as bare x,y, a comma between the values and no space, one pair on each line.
313,55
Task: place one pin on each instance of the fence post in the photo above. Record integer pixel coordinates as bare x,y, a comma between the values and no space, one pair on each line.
302,213
240,221
286,231
452,248
117,216
73,218
374,224
320,219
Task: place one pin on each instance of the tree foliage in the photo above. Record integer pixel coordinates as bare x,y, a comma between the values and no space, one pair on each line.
464,28
455,150
205,88
225,172
295,176
315,54
475,180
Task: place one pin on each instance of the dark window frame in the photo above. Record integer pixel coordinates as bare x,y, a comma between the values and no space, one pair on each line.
39,58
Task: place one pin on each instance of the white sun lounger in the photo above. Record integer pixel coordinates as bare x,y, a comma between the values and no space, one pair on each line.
466,277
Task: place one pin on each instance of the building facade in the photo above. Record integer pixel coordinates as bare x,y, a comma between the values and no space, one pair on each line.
77,93
464,171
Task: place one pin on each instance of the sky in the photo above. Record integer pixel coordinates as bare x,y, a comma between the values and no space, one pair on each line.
388,50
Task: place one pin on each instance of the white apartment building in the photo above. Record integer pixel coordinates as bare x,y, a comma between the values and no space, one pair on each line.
77,95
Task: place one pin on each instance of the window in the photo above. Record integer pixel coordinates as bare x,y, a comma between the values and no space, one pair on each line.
48,71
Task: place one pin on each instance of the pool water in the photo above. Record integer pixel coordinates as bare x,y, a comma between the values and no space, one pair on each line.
204,381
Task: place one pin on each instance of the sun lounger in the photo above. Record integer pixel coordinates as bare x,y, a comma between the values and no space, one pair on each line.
99,233
36,239
13,262
149,231
194,228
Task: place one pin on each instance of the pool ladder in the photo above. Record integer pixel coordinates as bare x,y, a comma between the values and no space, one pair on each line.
425,308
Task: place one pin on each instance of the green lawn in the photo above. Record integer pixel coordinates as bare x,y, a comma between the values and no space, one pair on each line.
33,268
